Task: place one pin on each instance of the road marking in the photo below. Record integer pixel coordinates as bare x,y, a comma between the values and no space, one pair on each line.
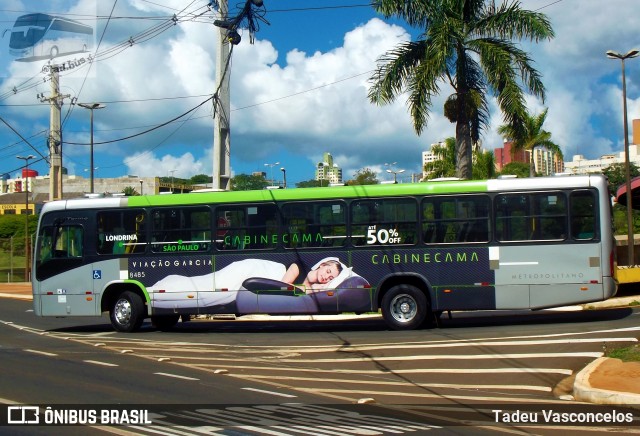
408,383
496,400
97,362
194,348
406,371
166,374
492,344
44,353
269,392
427,357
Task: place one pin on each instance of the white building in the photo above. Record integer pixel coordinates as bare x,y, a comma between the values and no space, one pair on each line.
328,171
75,186
547,162
429,157
581,165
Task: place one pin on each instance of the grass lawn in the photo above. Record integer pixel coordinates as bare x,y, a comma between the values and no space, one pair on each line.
627,354
5,267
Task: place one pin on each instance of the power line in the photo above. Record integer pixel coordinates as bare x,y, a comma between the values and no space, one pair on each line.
22,137
302,92
148,130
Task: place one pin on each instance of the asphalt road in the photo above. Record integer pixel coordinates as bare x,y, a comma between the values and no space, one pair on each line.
292,377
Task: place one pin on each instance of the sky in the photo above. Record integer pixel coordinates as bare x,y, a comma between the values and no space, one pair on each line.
300,90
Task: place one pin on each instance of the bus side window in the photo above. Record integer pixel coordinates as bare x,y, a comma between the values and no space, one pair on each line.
449,220
247,227
531,217
121,231
583,215
314,224
384,221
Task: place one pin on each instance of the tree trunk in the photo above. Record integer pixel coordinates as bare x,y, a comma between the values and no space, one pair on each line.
463,150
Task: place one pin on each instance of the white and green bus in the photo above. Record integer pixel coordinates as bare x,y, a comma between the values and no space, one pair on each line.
410,251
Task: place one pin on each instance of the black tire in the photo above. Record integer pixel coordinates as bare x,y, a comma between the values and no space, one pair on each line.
165,322
405,307
127,312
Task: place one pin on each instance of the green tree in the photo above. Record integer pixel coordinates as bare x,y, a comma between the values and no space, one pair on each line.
308,184
616,175
129,191
247,182
445,164
470,45
519,169
200,179
484,166
364,176
531,137
13,225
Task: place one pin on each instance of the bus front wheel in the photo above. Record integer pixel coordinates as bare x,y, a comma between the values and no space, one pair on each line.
404,307
127,312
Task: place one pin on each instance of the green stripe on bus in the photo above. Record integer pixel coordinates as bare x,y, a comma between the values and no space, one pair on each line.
360,191
142,287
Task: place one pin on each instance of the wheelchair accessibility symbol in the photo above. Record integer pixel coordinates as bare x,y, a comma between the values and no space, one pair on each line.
97,274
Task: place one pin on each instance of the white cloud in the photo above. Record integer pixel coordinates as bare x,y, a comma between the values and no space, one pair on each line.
291,107
148,164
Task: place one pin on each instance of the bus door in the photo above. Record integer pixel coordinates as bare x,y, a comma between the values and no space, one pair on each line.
64,282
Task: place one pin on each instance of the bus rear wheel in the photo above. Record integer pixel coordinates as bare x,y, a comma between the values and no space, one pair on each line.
127,312
404,307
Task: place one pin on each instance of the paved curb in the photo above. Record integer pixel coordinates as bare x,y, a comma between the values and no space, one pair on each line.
17,296
583,391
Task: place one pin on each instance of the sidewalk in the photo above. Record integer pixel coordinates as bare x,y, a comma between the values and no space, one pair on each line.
21,291
603,381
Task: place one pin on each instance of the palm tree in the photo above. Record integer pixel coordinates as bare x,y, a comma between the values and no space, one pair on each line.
533,136
467,44
445,164
484,164
128,191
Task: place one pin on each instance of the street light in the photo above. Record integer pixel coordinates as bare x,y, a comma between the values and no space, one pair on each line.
141,186
172,171
630,234
271,172
26,216
395,173
91,107
284,178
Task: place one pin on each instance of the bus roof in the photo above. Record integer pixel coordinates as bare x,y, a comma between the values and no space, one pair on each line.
340,192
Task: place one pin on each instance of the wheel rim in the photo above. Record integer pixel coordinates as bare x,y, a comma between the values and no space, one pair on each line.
122,311
404,308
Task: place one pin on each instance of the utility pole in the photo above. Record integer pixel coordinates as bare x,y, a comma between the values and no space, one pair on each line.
55,134
222,137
